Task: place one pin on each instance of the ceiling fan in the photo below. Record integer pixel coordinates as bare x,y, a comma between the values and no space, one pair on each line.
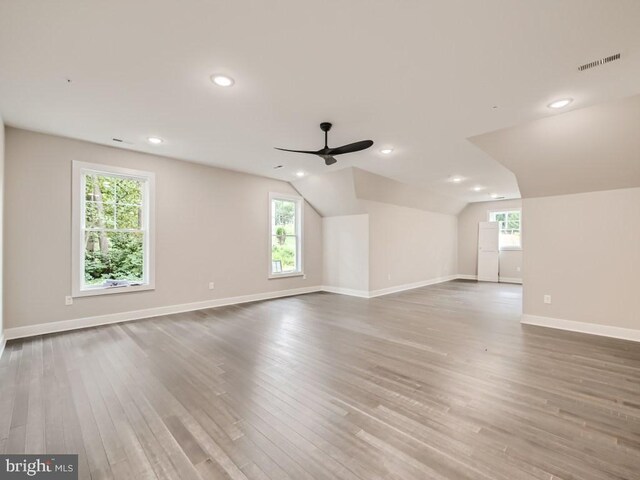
328,153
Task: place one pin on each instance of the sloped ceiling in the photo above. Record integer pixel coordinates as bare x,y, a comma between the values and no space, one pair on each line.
348,191
421,75
585,150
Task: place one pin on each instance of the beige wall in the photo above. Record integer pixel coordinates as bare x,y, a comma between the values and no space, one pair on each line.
211,225
468,219
1,228
584,251
346,252
408,245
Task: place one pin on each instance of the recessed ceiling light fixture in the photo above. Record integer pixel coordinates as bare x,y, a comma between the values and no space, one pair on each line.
222,80
300,174
494,195
155,140
386,150
456,179
560,103
478,188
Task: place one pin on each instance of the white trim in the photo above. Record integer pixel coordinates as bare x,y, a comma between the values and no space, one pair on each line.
3,343
299,201
464,276
386,291
410,286
65,325
77,227
582,327
346,291
510,280
286,275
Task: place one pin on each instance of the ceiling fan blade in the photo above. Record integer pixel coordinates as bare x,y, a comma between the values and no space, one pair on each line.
352,147
329,160
296,151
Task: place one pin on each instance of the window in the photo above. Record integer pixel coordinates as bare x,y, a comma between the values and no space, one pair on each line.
112,230
510,228
285,212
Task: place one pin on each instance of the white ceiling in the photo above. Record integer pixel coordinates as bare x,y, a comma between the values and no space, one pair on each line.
420,75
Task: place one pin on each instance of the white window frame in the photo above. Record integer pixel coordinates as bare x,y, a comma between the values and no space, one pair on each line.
299,201
77,225
507,210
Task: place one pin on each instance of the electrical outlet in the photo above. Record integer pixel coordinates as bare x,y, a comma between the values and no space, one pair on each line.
68,300
517,269
388,276
547,299
211,285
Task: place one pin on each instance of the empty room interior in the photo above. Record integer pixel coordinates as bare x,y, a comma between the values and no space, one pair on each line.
292,239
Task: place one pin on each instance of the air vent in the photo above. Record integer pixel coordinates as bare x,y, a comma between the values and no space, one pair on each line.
597,63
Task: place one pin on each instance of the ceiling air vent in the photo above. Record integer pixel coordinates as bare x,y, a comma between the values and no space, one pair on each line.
597,63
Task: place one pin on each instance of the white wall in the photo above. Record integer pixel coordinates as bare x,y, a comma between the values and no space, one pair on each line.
390,248
2,339
346,252
468,219
584,251
211,225
409,246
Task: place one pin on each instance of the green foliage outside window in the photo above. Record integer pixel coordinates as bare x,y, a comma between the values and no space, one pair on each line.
114,240
284,241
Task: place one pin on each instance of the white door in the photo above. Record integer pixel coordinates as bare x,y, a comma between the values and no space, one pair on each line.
488,251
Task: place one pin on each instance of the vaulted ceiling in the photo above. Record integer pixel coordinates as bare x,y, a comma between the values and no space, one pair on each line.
422,76
590,149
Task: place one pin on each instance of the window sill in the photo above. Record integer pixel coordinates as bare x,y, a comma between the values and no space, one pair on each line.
511,249
285,275
90,292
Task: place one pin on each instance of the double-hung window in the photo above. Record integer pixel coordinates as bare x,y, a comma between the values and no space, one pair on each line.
510,223
285,235
113,228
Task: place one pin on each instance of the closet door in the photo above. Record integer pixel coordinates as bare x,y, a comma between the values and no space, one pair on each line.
488,251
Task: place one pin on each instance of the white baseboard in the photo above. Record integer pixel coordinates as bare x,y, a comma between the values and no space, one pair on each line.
510,280
346,291
64,325
410,286
387,291
464,276
582,327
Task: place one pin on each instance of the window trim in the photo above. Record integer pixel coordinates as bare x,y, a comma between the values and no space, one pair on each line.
299,201
77,258
506,210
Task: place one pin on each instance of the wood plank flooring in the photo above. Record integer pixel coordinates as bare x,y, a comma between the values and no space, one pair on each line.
440,382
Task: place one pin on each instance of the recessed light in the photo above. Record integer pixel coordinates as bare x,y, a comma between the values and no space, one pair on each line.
222,80
478,188
300,174
456,179
155,140
494,195
386,150
561,103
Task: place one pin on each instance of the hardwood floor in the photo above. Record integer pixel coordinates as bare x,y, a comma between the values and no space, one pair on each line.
440,382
